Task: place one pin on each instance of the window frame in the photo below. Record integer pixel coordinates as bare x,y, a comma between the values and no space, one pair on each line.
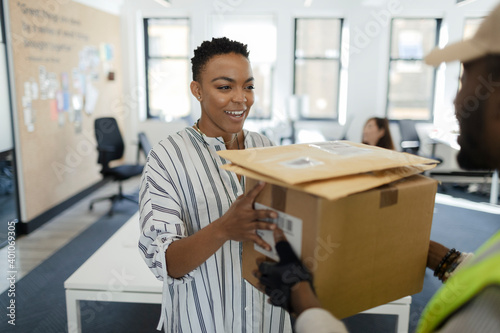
147,56
339,59
270,17
434,71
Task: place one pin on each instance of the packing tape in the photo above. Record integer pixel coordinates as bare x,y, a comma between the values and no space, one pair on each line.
388,196
278,197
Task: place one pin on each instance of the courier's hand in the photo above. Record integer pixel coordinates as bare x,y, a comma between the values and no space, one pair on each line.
280,281
241,221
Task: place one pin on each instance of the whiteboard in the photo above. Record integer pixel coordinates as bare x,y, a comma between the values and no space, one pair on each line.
5,118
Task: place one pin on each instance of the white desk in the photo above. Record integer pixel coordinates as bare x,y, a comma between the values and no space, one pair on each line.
400,307
114,273
117,273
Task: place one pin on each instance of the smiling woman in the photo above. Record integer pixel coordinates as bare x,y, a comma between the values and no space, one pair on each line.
225,92
194,216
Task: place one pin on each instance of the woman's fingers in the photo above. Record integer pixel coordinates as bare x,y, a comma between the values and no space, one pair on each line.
279,235
260,260
259,241
257,273
263,214
263,225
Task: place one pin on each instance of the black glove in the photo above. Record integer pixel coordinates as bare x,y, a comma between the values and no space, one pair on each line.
279,278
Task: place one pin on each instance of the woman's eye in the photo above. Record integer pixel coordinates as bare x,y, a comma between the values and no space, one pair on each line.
251,87
224,87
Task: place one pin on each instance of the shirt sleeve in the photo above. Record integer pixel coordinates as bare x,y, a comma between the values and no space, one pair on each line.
318,320
160,216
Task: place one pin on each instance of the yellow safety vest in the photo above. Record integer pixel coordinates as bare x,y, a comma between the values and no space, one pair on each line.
482,271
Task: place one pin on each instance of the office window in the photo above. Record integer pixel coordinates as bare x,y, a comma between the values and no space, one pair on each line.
317,66
411,81
168,68
259,33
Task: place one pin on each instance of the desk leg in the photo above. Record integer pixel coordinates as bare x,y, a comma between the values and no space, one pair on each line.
404,318
73,312
494,188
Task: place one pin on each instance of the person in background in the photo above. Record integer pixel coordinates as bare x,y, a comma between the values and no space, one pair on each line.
376,132
193,214
469,300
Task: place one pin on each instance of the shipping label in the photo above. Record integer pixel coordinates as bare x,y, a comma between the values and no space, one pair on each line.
292,228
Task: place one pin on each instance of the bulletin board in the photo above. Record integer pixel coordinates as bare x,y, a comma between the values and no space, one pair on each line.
67,70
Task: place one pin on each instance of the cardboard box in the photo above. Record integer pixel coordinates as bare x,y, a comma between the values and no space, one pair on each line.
359,217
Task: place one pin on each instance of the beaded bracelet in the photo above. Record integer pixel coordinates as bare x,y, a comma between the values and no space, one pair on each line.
451,268
438,268
448,264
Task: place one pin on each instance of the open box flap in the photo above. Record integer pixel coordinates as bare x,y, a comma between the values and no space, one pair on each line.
339,187
302,163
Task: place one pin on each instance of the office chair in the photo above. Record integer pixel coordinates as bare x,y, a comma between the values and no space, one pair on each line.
110,147
410,141
144,146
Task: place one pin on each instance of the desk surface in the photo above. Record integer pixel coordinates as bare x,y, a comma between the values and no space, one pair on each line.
445,137
117,265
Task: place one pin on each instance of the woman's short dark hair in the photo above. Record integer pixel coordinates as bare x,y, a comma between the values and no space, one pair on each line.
209,49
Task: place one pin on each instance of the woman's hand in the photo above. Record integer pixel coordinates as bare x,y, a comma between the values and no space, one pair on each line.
241,221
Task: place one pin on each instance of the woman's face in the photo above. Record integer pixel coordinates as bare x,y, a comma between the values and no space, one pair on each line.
226,94
371,133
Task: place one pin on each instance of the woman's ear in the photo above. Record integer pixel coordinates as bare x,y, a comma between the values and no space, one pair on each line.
195,89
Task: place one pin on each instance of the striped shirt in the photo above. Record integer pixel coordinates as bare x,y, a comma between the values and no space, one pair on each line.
182,191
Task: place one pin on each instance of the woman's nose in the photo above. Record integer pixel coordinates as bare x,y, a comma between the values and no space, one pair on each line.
239,97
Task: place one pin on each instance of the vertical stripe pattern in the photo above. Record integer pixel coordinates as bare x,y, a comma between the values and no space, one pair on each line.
183,190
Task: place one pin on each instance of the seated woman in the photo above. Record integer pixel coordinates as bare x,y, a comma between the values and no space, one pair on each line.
377,133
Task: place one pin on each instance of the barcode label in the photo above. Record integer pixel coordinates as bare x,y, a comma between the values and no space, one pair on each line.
291,226
285,224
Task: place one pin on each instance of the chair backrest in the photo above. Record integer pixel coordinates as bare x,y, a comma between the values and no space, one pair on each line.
109,140
144,144
410,141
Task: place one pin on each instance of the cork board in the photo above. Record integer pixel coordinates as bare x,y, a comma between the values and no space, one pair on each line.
66,66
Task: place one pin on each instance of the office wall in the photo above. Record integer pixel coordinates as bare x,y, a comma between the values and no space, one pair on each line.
63,54
368,58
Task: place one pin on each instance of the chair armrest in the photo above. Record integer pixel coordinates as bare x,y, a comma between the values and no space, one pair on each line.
410,144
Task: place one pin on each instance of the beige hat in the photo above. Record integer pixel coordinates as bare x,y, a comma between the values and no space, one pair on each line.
485,41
